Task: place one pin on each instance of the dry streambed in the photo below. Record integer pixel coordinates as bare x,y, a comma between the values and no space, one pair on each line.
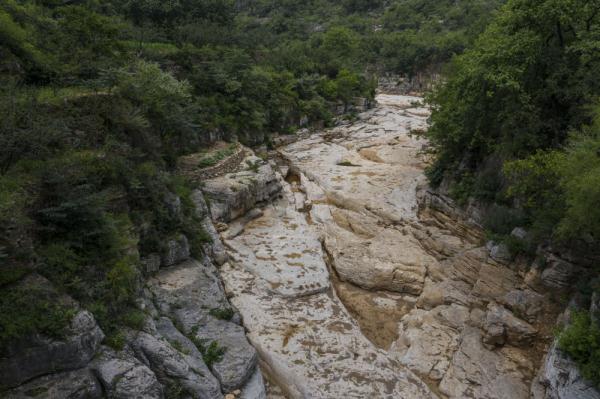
354,281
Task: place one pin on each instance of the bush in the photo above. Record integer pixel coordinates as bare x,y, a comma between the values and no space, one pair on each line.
581,341
222,313
29,309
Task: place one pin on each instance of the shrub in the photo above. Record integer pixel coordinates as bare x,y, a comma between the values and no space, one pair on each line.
116,340
25,310
581,341
211,353
222,313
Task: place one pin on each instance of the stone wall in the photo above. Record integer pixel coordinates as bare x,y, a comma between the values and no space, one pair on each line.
227,165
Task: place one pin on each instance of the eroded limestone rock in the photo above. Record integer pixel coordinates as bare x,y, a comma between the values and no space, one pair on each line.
192,295
234,194
124,377
77,384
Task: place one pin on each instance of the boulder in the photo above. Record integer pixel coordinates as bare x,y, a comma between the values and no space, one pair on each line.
175,368
41,355
125,377
192,295
520,233
76,384
234,194
558,273
525,303
176,251
500,253
501,326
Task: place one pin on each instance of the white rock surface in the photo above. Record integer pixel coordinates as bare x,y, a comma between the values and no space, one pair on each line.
281,250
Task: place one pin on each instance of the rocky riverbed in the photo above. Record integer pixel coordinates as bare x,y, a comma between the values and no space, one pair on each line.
355,281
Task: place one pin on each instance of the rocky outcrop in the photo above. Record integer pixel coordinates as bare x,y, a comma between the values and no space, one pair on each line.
502,327
526,303
215,248
465,320
558,273
192,296
174,368
176,251
307,341
123,376
234,194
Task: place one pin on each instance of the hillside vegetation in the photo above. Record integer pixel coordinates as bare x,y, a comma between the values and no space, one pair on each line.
516,125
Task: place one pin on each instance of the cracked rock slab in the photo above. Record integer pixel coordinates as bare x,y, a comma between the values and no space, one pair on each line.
313,348
282,251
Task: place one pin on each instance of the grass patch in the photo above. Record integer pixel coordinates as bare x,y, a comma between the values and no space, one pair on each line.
347,163
211,351
253,166
179,347
214,158
222,313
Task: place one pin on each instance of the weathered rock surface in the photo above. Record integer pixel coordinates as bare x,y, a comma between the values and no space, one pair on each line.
428,339
124,377
527,303
176,251
313,348
191,294
234,194
281,250
477,372
77,384
390,260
